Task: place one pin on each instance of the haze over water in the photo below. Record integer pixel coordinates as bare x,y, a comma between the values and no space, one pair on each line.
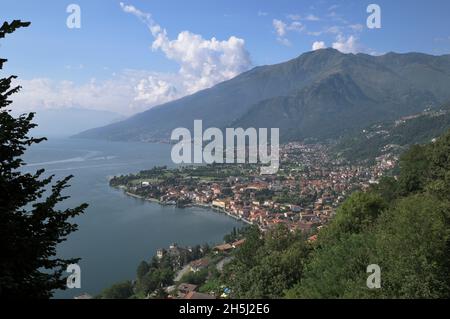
117,231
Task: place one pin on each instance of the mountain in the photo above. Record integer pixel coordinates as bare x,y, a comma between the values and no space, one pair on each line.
70,121
320,94
394,137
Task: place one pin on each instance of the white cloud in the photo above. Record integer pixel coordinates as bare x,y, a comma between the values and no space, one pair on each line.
312,17
295,17
145,17
332,24
350,43
203,63
154,91
356,27
43,93
284,41
296,26
334,30
280,27
347,45
317,45
129,92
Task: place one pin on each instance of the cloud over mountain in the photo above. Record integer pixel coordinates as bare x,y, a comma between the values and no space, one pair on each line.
320,94
317,45
347,45
202,62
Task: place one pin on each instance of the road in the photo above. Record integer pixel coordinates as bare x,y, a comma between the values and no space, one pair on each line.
223,262
181,273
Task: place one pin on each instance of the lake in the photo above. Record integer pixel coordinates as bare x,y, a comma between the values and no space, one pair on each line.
117,231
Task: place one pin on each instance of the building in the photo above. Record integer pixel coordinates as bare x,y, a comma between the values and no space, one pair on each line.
238,243
199,264
160,253
219,204
223,248
184,289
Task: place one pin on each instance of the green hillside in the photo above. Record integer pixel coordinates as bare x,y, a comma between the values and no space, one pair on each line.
394,136
402,225
320,94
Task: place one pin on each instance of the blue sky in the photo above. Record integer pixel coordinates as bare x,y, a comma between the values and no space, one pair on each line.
109,62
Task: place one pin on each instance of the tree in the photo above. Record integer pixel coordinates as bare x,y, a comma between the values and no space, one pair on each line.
440,168
337,270
247,253
122,290
142,270
30,224
413,244
266,264
195,278
414,167
401,225
357,214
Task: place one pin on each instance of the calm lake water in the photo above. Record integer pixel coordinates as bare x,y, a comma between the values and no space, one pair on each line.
117,232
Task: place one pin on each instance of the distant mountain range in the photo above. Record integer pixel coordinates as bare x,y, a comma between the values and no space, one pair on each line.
321,94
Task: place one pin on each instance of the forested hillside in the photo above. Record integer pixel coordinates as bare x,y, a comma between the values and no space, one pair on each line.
394,136
402,225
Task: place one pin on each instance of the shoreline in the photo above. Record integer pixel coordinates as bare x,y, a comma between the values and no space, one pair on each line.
204,206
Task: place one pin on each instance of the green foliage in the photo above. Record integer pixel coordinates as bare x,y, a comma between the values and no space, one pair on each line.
388,188
247,254
402,224
439,175
212,285
195,278
414,168
142,270
357,214
369,144
413,241
265,266
154,279
31,225
236,234
8,28
122,290
337,270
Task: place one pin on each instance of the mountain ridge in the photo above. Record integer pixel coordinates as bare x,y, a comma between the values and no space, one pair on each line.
311,89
